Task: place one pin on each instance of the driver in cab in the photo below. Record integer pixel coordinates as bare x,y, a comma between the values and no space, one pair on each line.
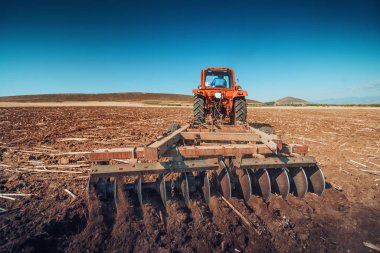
218,82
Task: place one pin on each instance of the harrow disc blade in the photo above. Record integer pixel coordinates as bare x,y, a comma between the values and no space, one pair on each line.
299,183
245,184
101,188
206,187
162,190
139,190
224,182
316,180
115,185
185,188
261,183
90,188
280,181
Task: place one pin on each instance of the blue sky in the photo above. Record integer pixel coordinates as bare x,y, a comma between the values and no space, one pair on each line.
308,49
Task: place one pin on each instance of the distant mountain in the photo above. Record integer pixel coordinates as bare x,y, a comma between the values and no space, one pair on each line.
351,100
105,97
251,101
291,101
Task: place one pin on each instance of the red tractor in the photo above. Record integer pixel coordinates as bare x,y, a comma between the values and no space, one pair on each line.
219,100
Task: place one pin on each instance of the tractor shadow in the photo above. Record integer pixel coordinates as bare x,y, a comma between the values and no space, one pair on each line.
266,128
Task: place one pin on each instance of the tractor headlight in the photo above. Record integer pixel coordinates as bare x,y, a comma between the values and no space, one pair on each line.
218,95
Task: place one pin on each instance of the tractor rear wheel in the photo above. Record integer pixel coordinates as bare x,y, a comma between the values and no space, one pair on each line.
240,110
199,109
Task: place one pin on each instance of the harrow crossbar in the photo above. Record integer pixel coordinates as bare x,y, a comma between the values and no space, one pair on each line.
278,162
271,140
215,136
198,165
205,149
158,148
154,168
117,153
223,150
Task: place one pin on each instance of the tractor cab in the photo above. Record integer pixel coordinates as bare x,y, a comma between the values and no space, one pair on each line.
217,78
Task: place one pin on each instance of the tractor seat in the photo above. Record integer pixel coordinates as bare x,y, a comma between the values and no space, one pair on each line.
219,83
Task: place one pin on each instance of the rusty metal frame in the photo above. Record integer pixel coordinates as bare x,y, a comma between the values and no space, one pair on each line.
223,150
216,136
198,165
116,153
154,168
206,145
278,162
271,140
158,148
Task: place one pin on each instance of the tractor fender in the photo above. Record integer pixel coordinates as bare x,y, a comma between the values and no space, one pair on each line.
239,93
227,93
199,92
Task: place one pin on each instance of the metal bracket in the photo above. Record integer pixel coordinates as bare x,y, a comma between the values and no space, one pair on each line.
236,162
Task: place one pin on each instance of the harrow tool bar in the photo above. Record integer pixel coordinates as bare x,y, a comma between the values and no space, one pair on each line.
239,158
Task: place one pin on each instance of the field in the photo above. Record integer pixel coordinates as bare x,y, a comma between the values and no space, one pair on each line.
40,154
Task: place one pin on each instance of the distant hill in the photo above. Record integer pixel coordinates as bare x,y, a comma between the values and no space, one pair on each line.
291,101
251,101
105,97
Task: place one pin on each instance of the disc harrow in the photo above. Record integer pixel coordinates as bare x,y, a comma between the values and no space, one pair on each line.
234,160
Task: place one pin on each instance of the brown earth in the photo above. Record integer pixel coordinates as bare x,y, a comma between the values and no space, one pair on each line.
53,221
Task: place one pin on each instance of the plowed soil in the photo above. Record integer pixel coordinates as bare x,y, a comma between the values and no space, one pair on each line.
41,154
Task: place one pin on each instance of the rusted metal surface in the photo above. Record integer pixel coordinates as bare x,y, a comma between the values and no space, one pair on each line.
158,148
278,162
231,128
271,140
154,168
223,150
198,130
116,153
216,136
296,149
222,129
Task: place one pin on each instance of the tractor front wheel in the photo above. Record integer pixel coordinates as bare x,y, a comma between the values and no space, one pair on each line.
199,109
240,110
